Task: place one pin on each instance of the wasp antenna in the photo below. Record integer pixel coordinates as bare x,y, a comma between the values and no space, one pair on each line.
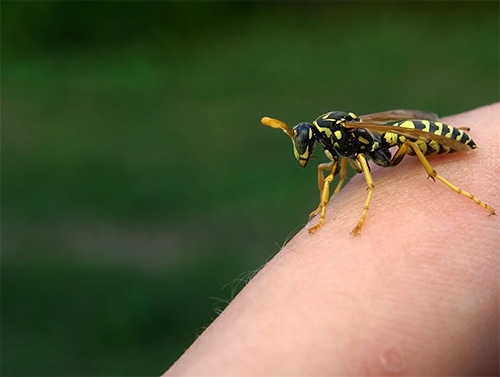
275,123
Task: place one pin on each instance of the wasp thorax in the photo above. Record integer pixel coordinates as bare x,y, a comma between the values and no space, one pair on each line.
303,143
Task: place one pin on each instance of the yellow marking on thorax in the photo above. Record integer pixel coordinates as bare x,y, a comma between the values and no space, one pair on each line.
363,140
325,130
338,134
315,124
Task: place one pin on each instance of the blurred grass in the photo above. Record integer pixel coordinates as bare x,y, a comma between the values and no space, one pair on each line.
98,317
137,179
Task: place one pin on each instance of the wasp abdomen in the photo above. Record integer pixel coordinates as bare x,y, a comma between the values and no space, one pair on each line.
429,147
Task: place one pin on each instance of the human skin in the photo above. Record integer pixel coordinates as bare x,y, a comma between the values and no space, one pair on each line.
416,293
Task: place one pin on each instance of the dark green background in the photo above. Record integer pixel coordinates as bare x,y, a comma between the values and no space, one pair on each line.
140,191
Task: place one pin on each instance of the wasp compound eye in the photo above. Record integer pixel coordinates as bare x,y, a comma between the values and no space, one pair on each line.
303,143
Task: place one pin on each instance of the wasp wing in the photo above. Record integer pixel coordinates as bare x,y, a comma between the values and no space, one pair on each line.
410,133
396,115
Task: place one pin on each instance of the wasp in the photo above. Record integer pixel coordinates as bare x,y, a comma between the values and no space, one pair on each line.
349,139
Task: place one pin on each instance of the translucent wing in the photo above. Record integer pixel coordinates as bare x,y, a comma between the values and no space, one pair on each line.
410,133
395,115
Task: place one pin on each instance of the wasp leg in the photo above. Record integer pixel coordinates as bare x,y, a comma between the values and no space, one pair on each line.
332,168
399,155
321,180
432,173
368,177
343,176
324,186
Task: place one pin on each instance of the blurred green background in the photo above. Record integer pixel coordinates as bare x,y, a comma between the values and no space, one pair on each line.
140,191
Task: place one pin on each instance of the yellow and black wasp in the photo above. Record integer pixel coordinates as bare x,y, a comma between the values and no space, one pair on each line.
347,138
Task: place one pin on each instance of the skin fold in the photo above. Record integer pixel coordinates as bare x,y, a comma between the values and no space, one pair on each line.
417,293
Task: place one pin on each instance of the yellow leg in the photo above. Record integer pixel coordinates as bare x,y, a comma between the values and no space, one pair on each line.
343,176
432,173
321,179
399,155
368,177
331,167
324,193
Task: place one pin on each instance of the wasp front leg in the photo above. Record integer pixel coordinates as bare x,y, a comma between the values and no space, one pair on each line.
324,192
324,188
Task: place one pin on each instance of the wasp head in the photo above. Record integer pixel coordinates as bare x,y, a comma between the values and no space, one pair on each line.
302,136
303,143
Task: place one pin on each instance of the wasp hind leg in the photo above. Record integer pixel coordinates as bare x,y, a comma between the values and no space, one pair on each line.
324,188
369,182
434,175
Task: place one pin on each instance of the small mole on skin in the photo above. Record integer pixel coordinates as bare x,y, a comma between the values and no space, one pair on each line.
392,360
